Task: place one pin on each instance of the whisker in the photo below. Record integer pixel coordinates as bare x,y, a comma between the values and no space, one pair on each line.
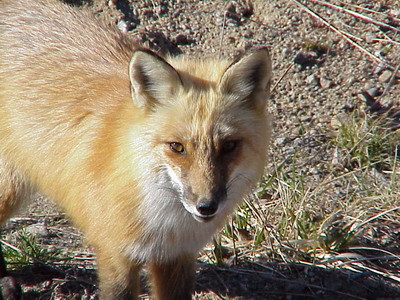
236,178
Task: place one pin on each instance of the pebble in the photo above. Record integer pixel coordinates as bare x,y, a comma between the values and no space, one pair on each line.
379,68
385,76
312,79
364,97
39,229
305,118
373,92
281,140
325,83
369,101
351,80
338,120
314,171
286,52
370,37
368,86
349,106
112,3
123,26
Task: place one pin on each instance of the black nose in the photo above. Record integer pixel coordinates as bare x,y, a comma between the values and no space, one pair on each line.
207,207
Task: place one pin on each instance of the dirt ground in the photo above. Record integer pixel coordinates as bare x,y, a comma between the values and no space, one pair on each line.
319,75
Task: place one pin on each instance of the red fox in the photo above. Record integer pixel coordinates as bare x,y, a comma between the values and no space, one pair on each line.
147,155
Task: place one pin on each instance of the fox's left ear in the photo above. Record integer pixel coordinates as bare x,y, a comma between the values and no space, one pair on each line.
249,78
153,80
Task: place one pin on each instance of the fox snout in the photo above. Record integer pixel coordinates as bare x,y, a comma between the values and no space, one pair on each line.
208,207
205,208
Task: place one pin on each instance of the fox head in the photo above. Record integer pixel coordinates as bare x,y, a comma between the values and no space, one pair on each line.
209,126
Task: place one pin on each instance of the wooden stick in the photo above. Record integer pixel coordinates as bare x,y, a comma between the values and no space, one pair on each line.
386,41
351,36
280,78
356,15
370,11
349,40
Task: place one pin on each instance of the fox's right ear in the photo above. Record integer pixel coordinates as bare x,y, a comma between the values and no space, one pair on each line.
153,80
249,78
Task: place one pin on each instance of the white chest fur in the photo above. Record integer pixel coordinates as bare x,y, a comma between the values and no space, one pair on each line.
169,230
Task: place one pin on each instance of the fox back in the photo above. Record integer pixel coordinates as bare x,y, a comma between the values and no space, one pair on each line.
147,155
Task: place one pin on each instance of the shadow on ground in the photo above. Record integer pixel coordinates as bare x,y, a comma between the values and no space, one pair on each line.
260,280
47,282
247,280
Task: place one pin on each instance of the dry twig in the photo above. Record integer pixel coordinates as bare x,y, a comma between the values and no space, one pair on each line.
336,30
369,10
356,15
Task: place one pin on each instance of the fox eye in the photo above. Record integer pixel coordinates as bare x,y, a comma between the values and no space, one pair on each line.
229,146
177,147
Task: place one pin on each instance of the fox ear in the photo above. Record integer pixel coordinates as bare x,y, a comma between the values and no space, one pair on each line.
153,80
249,78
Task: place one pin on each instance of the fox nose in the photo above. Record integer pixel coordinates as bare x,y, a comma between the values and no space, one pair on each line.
207,207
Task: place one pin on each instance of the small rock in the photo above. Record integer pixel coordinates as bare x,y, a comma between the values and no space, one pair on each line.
373,92
335,123
369,101
39,229
123,26
380,53
379,68
385,76
338,120
364,97
335,157
305,118
312,79
395,12
280,141
351,81
325,83
368,86
370,37
286,52
349,106
112,3
46,284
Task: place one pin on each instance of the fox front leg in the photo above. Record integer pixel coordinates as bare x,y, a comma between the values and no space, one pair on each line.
173,280
119,278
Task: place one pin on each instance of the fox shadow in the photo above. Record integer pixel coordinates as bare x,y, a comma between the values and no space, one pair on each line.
245,280
268,280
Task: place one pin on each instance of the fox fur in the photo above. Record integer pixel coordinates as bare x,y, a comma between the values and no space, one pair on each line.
147,155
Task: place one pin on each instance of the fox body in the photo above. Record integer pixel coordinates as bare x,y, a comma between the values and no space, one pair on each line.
147,155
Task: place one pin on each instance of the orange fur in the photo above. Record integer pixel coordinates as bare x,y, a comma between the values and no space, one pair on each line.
90,120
